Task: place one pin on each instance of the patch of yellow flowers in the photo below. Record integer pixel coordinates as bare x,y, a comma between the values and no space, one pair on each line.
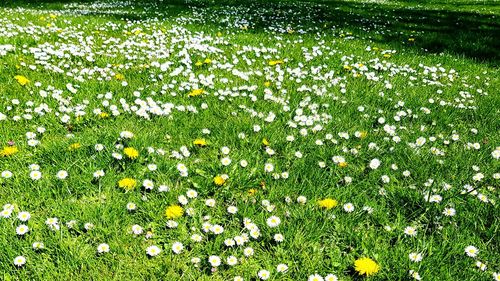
328,203
131,152
174,212
8,151
127,183
219,181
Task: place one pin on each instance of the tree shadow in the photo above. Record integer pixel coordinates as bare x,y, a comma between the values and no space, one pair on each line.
466,34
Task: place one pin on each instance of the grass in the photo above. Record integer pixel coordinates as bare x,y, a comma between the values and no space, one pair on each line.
317,89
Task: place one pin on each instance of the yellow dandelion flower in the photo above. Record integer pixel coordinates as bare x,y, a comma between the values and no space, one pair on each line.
267,84
387,56
8,151
219,181
328,203
74,146
411,39
174,212
275,62
265,142
252,191
21,80
198,63
207,61
131,152
119,76
127,183
347,67
363,134
366,266
343,164
104,115
196,92
200,142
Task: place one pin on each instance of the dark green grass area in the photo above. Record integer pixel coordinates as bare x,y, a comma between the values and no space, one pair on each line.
469,29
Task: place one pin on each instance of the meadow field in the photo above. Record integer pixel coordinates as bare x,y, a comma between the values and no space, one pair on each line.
316,140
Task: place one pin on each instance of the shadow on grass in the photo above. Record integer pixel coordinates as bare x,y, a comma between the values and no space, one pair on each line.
462,33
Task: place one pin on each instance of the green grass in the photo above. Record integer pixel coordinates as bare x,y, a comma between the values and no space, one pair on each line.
428,69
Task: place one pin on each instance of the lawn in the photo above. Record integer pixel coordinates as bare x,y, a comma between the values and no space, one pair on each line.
249,140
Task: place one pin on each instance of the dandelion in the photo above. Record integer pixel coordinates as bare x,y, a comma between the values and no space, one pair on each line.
174,212
74,146
328,203
366,266
219,181
196,92
131,152
22,80
127,183
8,151
200,142
275,62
